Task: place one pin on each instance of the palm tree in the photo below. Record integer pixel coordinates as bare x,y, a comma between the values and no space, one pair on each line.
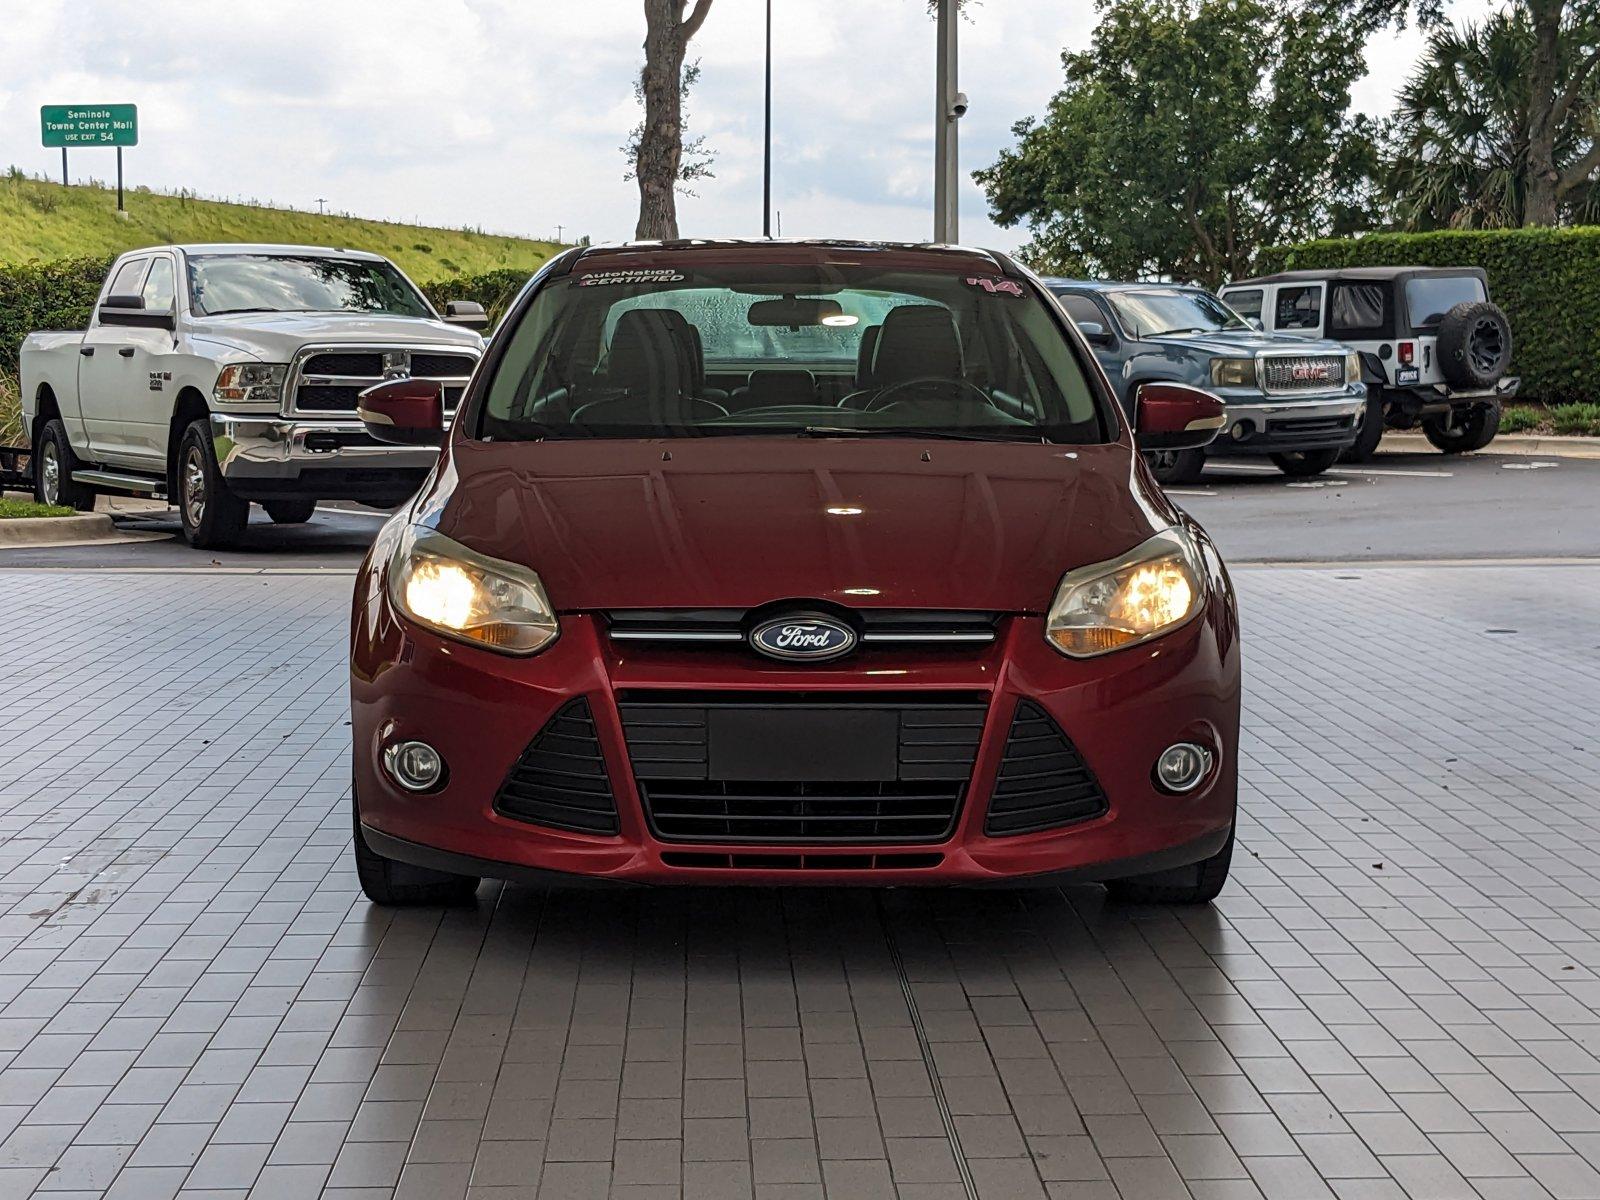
1458,147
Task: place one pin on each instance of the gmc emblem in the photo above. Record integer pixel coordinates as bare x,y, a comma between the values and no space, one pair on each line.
1308,373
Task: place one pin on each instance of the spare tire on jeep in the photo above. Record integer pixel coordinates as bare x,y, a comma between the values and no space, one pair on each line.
1474,344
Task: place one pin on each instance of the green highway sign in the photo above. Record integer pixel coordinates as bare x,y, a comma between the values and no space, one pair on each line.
71,125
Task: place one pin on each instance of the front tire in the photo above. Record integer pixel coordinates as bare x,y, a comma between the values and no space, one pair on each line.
1366,443
1302,464
391,883
53,464
290,512
1176,466
1472,431
213,517
1197,883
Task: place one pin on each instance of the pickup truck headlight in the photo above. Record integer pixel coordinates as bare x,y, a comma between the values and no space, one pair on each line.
1151,590
251,382
440,584
1233,372
1352,367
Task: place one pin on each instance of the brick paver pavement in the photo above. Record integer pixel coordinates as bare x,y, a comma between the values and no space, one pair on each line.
1396,996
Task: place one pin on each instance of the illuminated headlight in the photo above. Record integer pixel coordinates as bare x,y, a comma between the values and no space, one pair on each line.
1151,590
1233,372
257,382
440,584
1352,367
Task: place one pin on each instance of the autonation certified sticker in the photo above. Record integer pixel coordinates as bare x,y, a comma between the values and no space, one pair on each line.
637,275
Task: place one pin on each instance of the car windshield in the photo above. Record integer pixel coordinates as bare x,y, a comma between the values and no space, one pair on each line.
823,350
1429,297
1173,310
236,283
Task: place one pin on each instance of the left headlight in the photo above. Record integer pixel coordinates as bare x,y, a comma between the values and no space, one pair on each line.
250,382
441,584
1151,590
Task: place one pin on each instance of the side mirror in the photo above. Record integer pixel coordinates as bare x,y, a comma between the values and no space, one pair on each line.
1255,323
1175,416
1096,334
466,312
130,311
404,412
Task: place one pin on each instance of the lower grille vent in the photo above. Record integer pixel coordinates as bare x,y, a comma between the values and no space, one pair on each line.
801,862
561,780
1043,781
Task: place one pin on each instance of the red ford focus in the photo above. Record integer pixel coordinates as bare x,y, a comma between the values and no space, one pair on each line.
815,563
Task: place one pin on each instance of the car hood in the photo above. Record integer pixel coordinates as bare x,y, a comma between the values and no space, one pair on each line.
274,337
737,522
1244,344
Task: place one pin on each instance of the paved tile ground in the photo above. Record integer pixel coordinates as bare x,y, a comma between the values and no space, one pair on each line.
1396,997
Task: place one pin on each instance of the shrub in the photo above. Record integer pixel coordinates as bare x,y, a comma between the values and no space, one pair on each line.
45,295
1547,280
10,411
495,290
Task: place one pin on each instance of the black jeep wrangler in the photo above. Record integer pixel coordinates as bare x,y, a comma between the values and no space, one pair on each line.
1434,350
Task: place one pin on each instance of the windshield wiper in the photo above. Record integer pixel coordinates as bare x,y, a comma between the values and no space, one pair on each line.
951,435
228,312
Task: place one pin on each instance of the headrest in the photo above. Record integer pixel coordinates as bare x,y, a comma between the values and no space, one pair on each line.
869,347
916,341
774,385
649,354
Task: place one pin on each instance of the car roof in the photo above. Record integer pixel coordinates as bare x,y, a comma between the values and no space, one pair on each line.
1056,282
794,252
1374,274
263,248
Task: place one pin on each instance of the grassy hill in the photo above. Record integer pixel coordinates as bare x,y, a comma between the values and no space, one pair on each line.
48,221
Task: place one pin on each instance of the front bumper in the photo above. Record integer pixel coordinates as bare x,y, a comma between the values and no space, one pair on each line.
272,456
1258,425
481,710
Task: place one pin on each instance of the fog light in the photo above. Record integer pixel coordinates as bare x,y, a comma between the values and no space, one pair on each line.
1240,430
1181,767
415,766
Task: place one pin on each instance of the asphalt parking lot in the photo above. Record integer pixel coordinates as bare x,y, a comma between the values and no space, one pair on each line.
1398,994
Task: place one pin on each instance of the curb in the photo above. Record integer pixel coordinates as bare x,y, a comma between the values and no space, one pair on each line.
1505,443
87,529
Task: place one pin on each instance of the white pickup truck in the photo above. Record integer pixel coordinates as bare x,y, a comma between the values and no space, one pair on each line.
221,375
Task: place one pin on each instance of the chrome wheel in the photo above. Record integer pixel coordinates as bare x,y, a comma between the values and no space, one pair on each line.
194,487
49,472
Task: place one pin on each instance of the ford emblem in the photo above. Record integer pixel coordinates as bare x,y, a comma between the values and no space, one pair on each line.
803,637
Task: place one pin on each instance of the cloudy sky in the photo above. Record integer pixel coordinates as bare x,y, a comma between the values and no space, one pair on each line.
509,114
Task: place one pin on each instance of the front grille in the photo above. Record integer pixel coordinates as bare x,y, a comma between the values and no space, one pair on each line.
561,779
687,797
1043,781
811,861
329,381
1290,374
877,626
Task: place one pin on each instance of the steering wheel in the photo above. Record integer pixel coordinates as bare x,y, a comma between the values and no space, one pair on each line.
887,396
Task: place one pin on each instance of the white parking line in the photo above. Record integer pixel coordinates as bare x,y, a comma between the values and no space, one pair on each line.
1396,471
1186,492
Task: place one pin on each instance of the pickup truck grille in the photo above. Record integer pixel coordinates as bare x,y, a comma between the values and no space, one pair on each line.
1290,374
328,381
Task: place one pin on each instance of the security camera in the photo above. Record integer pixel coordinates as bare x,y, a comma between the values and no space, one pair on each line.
958,105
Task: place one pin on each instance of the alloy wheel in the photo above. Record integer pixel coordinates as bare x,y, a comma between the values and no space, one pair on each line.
194,487
1486,346
50,472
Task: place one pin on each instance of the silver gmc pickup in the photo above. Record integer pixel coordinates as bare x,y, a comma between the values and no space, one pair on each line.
224,375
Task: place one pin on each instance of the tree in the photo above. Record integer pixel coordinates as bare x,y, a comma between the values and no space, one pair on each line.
658,160
1191,133
1485,135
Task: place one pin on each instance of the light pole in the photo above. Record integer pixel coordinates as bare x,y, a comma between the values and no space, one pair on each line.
766,163
321,205
950,106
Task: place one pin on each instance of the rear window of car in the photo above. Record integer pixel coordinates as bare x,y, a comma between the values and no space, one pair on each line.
1357,306
758,349
1429,297
1299,308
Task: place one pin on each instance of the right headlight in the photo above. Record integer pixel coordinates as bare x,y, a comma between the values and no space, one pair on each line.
1233,372
1151,590
455,591
250,383
1352,367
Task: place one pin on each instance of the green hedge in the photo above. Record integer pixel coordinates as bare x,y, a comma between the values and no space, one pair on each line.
59,295
1547,280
